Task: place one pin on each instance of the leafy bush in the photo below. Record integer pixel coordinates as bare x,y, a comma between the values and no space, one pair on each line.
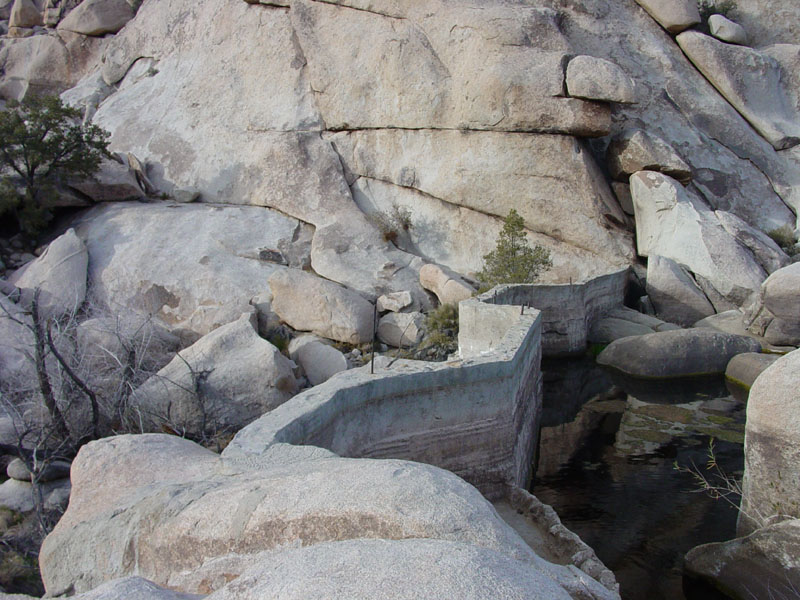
41,141
513,260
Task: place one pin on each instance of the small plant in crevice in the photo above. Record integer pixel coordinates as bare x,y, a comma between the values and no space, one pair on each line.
513,260
393,223
715,7
441,333
784,237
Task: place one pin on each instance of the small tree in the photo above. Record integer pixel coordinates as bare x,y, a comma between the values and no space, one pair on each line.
513,260
41,140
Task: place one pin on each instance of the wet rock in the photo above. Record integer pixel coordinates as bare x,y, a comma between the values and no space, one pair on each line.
677,353
763,564
743,369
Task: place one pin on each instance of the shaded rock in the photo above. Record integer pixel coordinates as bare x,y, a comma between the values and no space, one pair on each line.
113,182
677,353
599,79
623,193
448,286
60,275
673,222
309,303
221,383
401,330
88,94
726,30
98,17
19,495
320,361
628,314
672,15
53,470
768,254
395,301
25,14
743,369
750,81
674,294
608,329
772,445
634,150
17,340
783,333
140,255
134,588
763,564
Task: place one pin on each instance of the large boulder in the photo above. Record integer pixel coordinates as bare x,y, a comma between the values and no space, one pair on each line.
764,564
59,274
726,30
320,361
309,303
447,285
194,267
25,14
750,81
674,222
772,445
222,382
677,353
674,294
113,182
401,330
183,517
98,17
744,369
17,335
781,293
768,254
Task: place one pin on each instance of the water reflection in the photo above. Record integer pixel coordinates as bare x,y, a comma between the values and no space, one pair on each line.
606,464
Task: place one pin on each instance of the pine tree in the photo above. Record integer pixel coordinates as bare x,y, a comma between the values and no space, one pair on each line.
513,260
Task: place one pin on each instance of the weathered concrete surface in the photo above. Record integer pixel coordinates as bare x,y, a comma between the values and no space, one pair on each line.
568,311
475,402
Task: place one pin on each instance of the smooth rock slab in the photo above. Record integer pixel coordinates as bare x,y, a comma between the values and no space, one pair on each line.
595,78
677,353
750,81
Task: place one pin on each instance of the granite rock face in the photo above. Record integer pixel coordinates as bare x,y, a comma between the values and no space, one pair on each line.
141,495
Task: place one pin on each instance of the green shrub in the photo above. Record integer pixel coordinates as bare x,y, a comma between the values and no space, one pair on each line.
513,260
441,333
41,141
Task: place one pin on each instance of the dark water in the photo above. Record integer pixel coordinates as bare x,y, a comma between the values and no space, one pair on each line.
607,465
